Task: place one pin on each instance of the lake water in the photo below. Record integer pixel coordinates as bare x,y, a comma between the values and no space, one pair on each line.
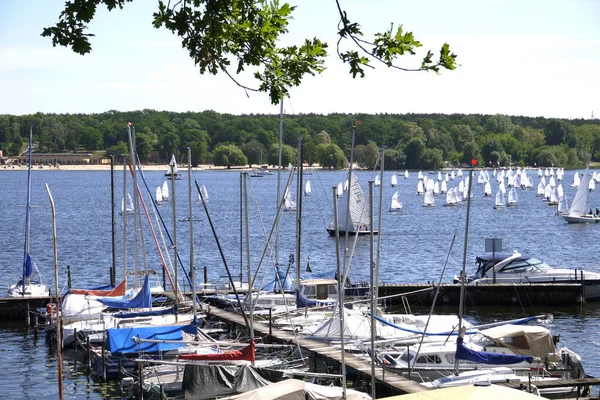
414,246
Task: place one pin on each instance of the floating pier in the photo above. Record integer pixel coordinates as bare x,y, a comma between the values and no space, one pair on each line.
22,308
549,294
389,383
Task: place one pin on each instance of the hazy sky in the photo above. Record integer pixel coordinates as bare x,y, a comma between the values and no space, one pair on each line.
534,58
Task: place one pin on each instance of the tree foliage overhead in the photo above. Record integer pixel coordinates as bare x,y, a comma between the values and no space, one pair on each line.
230,36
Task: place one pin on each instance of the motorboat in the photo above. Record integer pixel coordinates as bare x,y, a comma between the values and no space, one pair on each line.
504,267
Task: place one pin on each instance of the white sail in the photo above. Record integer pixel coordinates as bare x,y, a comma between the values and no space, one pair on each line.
459,174
487,190
159,196
420,176
547,192
420,188
501,187
289,202
513,198
436,188
540,188
428,199
406,174
359,209
552,181
444,188
340,190
540,173
563,204
452,175
576,180
127,205
394,181
451,197
307,189
377,181
346,185
396,204
500,202
165,191
592,185
439,175
554,197
204,193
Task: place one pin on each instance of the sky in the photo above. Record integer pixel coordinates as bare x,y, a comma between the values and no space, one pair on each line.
531,58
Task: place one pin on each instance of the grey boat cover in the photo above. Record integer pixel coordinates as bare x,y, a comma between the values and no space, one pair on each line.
206,381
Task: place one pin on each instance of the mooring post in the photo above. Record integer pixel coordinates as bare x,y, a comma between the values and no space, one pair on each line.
27,315
141,380
89,353
69,276
270,323
205,277
582,288
104,362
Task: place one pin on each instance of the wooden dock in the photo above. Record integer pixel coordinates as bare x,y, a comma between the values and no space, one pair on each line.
22,308
391,382
549,294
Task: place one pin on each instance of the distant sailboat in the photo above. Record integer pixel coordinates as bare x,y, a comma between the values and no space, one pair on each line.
396,204
500,200
165,191
159,196
394,181
340,190
576,180
452,198
512,197
578,213
358,211
406,174
173,171
204,194
307,189
487,190
429,199
289,202
377,180
127,205
420,188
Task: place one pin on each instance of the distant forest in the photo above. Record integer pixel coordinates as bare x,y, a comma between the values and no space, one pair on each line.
412,141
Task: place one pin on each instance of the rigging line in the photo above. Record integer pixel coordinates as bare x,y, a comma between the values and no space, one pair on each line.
162,258
437,292
162,221
275,222
212,227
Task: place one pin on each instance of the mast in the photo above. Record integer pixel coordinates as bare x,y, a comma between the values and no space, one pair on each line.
247,223
113,222
175,251
124,207
136,200
372,289
191,211
299,211
463,273
340,290
241,228
58,324
279,178
26,264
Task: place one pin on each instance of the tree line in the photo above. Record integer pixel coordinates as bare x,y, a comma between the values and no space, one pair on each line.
411,141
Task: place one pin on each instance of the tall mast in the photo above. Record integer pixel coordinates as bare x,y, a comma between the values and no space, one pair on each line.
113,222
26,264
124,207
247,224
136,200
191,211
299,210
175,251
279,178
340,307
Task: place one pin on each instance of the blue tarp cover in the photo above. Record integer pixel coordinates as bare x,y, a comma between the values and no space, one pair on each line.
120,341
142,300
464,353
286,281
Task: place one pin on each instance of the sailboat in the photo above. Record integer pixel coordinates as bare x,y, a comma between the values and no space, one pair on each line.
26,287
340,190
165,191
576,180
289,202
159,196
204,194
394,181
358,211
512,197
487,190
307,189
500,201
429,199
420,188
578,213
406,174
452,198
127,206
173,171
377,181
396,204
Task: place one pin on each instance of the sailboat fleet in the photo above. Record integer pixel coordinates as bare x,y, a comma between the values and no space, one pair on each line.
126,327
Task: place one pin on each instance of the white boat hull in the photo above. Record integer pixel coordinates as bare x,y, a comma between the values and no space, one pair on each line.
584,219
32,289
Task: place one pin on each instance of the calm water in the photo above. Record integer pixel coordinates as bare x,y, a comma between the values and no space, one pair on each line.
414,246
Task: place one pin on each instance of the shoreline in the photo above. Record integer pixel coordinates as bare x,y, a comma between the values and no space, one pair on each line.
106,167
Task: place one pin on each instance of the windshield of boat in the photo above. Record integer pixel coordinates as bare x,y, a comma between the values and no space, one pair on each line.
532,265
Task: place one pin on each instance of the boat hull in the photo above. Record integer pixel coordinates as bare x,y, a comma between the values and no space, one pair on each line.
352,233
581,220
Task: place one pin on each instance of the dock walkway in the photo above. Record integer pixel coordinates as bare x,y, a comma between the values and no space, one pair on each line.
395,382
